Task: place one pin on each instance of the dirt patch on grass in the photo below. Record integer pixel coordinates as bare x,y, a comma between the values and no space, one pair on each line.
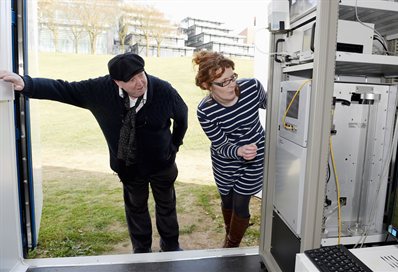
201,225
208,233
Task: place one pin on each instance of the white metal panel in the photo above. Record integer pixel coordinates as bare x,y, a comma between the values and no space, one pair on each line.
365,64
10,230
351,32
289,186
5,94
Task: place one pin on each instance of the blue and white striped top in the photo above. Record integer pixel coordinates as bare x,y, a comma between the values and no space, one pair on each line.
229,128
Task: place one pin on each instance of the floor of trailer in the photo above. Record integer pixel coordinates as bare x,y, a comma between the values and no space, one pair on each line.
241,259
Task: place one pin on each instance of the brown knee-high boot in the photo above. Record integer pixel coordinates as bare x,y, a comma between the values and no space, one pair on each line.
237,230
227,215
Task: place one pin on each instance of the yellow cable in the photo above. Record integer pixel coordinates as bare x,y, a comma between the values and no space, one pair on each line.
286,126
338,191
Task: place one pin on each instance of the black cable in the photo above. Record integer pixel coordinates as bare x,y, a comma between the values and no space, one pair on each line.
381,42
328,174
388,234
276,50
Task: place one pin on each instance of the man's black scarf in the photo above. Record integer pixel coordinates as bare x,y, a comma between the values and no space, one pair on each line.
127,149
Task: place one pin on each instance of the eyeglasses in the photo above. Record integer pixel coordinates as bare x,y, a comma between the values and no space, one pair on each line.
227,81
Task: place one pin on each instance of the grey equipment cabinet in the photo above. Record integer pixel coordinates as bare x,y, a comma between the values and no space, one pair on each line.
330,128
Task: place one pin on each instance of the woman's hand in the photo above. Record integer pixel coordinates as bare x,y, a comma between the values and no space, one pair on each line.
248,152
13,78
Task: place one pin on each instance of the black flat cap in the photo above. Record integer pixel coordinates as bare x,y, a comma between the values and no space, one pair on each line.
124,66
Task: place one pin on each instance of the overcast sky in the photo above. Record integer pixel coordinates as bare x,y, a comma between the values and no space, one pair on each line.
236,14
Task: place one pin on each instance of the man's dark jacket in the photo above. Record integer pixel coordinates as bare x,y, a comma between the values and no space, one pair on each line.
156,143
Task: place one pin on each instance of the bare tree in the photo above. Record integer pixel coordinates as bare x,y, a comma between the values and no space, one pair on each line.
160,31
148,20
141,18
122,32
72,15
127,11
96,17
47,17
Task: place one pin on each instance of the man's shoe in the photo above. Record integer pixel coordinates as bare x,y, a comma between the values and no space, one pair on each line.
177,249
142,250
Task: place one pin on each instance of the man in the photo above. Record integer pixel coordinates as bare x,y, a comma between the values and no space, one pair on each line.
135,111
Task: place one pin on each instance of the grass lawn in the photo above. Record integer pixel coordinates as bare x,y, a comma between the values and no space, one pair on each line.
83,211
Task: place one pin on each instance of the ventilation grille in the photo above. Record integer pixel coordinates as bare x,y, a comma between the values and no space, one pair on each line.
393,47
390,260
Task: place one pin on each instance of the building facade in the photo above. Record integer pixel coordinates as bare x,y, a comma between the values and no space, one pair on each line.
213,36
190,35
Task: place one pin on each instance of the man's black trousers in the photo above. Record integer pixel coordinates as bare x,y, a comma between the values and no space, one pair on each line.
136,193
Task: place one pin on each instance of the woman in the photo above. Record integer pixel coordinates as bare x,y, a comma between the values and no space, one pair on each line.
229,117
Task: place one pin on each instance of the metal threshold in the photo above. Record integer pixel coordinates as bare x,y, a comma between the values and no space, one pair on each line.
231,259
